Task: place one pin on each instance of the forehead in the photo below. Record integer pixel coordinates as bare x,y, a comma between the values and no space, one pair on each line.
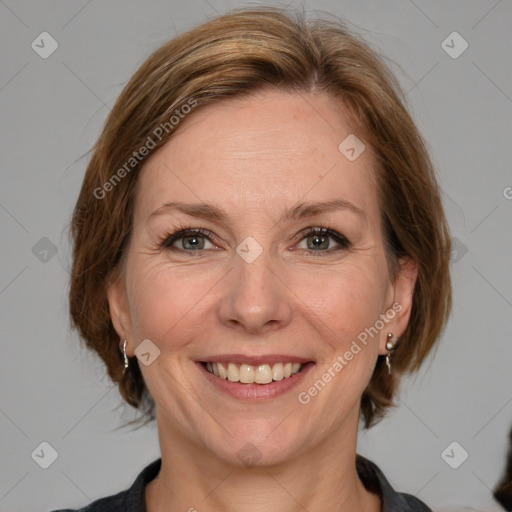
264,151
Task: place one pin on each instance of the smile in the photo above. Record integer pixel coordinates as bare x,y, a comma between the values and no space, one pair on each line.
255,378
249,374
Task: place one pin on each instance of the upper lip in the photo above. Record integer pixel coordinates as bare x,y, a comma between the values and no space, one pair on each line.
254,360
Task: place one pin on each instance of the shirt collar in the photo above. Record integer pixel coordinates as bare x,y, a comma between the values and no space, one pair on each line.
370,474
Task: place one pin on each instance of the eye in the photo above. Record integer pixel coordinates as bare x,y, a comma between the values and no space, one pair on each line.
189,240
318,239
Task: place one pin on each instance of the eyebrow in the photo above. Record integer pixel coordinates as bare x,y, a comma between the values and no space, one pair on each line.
298,211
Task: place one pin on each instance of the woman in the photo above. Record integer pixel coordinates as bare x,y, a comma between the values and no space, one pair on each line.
260,253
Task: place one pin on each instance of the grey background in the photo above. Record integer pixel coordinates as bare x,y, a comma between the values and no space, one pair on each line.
52,111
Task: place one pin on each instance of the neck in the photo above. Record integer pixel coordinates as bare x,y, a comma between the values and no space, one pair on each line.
193,479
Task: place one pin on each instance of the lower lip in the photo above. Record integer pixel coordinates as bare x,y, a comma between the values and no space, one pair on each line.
256,392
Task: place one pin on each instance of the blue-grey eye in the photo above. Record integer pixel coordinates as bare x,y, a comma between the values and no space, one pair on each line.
318,242
187,240
194,242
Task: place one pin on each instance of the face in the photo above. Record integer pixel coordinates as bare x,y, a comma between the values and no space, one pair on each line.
256,243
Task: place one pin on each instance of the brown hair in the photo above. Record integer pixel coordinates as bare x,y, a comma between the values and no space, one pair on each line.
232,55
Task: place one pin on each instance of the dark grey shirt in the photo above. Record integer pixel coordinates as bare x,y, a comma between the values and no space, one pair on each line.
132,500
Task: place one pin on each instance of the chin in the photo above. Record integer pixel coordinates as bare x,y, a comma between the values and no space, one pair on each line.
257,446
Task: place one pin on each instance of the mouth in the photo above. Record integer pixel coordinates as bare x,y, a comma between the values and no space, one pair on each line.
253,374
254,379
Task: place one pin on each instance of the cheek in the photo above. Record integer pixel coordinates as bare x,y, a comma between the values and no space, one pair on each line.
347,299
164,300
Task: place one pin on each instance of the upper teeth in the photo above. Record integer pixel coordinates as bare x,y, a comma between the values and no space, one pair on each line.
248,374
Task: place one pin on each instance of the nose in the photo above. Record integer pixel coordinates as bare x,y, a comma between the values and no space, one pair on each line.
255,298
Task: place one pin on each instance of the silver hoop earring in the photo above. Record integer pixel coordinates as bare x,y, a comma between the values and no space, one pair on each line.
390,346
123,351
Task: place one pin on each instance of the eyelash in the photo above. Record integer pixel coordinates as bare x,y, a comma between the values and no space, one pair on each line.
169,238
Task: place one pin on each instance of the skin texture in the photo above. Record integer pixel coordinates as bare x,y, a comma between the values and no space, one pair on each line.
256,157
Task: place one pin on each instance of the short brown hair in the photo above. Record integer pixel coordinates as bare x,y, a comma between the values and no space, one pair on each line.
236,54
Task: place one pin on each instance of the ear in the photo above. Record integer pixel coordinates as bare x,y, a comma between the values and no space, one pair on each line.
119,310
399,304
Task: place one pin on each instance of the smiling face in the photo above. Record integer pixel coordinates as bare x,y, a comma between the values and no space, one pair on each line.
284,263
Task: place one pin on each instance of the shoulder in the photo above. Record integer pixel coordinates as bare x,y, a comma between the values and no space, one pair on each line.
108,504
130,500
413,503
392,501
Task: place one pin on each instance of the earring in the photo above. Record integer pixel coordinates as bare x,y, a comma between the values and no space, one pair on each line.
123,351
391,346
